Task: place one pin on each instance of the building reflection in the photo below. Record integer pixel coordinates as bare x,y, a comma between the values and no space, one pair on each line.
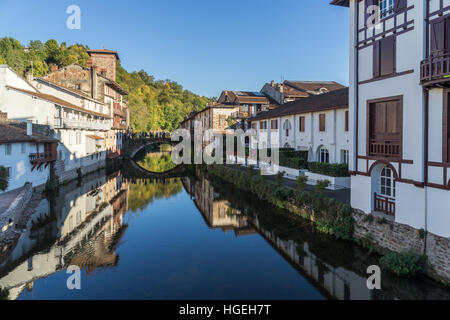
82,226
216,211
335,268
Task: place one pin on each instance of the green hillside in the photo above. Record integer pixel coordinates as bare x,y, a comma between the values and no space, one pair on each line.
154,104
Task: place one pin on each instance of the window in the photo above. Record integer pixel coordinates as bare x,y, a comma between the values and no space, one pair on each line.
344,156
301,124
387,183
8,149
385,128
78,137
322,127
386,8
274,124
324,155
384,57
287,127
346,121
263,125
24,147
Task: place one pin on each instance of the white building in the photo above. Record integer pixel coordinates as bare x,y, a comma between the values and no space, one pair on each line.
399,110
317,124
78,122
25,154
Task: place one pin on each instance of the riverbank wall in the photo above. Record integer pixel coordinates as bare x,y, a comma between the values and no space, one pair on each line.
378,233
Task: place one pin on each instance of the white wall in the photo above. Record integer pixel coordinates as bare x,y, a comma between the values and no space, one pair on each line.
21,167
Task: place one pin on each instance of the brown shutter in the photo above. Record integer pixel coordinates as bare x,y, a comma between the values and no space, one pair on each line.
322,122
387,56
302,124
346,121
376,59
399,5
437,39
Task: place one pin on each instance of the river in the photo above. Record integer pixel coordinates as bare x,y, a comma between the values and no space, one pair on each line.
185,237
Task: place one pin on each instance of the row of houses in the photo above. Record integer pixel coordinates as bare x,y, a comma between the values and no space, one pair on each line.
81,108
392,125
304,115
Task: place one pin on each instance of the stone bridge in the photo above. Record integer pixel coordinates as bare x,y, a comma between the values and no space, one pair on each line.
132,147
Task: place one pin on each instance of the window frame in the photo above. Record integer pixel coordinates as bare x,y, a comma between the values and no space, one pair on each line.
301,124
387,182
322,122
324,155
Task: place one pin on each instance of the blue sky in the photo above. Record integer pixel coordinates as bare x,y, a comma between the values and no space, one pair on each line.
205,45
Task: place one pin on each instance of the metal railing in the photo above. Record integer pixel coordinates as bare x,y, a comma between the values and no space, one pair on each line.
82,124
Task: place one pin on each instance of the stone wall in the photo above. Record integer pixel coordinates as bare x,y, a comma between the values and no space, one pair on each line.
17,206
387,235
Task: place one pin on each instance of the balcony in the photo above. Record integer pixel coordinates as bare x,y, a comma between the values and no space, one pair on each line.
240,115
384,204
435,71
119,111
39,159
385,148
82,124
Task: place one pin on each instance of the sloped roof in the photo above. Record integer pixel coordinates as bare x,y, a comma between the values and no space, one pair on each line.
343,3
104,51
59,101
243,97
13,134
314,86
337,99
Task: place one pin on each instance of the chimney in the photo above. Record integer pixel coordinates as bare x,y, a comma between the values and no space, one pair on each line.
272,83
54,68
93,81
29,77
29,128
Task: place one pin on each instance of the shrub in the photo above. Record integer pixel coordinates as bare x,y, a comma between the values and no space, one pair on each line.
4,178
321,186
294,163
329,169
301,182
279,178
405,263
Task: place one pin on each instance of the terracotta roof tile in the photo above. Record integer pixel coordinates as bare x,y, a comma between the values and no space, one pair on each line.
336,99
13,134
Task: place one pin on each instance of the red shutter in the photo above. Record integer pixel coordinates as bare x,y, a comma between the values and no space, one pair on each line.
399,5
387,56
376,59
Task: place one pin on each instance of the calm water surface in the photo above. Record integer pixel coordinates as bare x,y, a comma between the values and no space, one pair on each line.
183,237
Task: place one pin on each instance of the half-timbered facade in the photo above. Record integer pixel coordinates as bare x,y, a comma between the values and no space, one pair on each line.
399,110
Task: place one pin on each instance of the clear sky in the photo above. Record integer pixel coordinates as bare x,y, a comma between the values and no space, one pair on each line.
205,45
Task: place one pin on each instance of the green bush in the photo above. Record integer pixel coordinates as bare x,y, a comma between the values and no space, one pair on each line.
301,182
405,263
279,178
329,169
294,163
330,216
4,178
321,186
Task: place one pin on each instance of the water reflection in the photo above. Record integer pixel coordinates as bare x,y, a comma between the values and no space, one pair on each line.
156,158
86,224
80,226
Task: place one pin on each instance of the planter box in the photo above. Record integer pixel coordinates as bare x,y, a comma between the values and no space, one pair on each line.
336,183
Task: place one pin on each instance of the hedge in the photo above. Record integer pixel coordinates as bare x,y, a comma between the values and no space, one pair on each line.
329,169
330,216
4,177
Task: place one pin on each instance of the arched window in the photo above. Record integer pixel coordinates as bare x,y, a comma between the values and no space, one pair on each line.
287,127
387,183
324,155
